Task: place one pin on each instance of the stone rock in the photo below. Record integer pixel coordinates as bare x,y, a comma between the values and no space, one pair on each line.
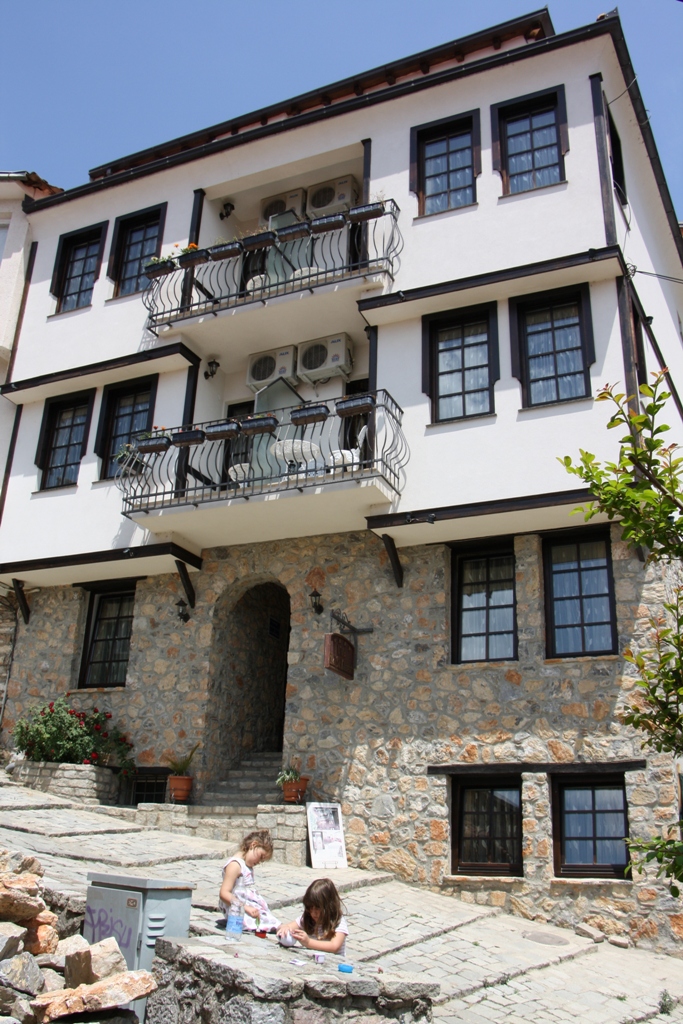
19,1009
11,938
42,935
8,1020
109,993
619,940
325,988
19,899
362,987
406,990
86,966
53,980
589,933
56,959
17,863
22,973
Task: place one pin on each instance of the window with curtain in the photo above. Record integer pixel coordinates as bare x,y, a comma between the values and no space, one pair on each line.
107,646
487,825
139,243
460,350
64,450
128,415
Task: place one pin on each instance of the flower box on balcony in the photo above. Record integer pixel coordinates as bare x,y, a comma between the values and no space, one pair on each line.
333,222
152,445
160,269
309,414
222,431
225,251
193,259
355,405
369,211
266,424
263,240
293,231
186,438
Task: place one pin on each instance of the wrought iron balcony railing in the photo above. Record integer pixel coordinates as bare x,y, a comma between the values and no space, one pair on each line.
294,257
316,444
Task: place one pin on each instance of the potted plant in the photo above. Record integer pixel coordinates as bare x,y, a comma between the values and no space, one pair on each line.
187,438
158,266
263,240
222,431
292,783
192,256
315,413
180,780
225,250
261,423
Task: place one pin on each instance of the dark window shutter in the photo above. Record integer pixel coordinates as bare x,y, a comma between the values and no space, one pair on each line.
587,324
515,352
427,388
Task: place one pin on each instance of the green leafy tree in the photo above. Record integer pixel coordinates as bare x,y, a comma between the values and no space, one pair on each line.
643,489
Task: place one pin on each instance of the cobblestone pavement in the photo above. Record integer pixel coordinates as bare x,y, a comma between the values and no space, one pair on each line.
492,968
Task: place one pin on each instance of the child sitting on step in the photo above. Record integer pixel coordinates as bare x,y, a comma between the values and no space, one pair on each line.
238,872
322,925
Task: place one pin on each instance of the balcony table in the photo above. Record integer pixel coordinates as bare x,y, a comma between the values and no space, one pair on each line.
294,451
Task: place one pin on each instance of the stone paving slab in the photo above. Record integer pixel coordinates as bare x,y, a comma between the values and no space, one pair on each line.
486,951
613,986
395,915
131,850
21,798
60,822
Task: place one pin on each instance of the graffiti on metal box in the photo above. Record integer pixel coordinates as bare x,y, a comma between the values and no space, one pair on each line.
103,925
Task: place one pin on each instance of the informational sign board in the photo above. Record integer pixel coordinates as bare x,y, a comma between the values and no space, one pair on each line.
326,835
340,655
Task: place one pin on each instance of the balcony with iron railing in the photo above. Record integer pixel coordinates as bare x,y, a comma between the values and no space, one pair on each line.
351,449
297,256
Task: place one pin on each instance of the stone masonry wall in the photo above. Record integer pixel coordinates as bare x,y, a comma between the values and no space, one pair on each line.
84,782
368,742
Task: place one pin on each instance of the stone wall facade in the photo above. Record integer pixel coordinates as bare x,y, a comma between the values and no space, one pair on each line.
85,782
369,742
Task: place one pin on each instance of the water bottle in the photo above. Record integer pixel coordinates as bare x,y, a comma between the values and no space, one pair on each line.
235,924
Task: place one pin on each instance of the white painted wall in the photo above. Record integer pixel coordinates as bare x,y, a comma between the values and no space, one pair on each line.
511,453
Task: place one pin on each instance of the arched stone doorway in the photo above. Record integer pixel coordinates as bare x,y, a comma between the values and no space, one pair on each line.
246,711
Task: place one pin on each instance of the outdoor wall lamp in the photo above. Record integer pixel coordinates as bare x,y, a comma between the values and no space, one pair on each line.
316,603
226,211
183,613
213,368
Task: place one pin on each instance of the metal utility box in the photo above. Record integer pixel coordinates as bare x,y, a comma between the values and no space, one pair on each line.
136,911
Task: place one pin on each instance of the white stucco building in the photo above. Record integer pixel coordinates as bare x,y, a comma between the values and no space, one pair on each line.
434,264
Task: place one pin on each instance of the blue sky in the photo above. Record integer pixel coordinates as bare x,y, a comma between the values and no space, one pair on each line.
95,80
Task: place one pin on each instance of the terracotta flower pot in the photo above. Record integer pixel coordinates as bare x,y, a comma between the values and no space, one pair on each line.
294,792
179,788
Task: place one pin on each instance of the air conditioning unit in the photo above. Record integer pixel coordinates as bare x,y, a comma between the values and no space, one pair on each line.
325,357
335,196
265,367
273,206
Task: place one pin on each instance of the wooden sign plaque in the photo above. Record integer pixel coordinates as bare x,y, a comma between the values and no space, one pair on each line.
340,655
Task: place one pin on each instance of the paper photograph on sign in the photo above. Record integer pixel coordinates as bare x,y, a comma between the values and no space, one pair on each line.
326,836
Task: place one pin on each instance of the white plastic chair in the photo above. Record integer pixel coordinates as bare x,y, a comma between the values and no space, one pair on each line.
343,457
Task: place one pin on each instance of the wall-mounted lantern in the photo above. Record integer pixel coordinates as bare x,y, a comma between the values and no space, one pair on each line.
316,603
183,613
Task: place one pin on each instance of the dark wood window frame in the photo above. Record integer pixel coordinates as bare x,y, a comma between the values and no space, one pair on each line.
459,554
95,232
484,781
616,159
50,410
532,102
469,120
122,226
96,591
589,779
521,304
110,393
575,537
434,322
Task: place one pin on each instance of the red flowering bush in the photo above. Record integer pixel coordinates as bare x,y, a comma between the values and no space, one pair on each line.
57,732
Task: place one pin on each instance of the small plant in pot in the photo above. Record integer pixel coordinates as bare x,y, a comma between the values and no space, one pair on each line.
292,783
180,780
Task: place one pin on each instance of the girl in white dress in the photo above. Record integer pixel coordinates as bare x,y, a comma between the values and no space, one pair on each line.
254,849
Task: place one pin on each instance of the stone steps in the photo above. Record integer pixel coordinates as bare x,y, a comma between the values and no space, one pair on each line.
251,783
